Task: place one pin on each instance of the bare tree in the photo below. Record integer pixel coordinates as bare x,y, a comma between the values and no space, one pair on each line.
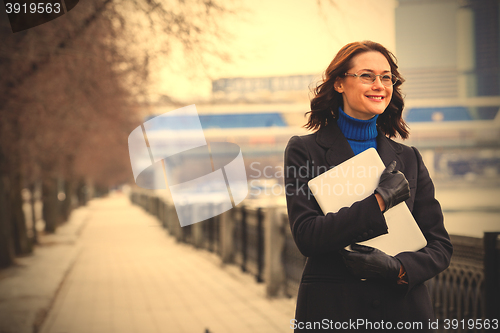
69,92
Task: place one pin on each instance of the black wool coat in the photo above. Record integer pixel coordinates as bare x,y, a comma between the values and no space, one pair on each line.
330,297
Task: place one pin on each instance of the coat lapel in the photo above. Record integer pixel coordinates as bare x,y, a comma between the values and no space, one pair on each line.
339,150
389,151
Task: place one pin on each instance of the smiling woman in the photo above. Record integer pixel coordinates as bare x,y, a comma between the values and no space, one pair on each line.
358,106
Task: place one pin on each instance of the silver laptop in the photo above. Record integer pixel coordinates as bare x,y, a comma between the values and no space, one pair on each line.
356,179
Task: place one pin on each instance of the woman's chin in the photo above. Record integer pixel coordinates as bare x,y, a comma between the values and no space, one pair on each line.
377,111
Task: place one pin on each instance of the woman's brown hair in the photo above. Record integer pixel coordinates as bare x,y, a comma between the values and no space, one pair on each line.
326,101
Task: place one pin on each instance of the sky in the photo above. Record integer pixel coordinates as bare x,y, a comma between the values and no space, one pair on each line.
284,37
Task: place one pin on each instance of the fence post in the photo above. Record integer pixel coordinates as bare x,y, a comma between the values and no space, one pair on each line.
212,224
226,236
492,275
260,244
217,235
274,242
159,210
172,219
244,241
164,214
150,204
157,206
176,230
197,234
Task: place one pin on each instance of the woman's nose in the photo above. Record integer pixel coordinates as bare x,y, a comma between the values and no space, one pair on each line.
377,84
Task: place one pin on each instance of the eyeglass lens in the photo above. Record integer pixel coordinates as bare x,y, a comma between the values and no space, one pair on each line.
387,79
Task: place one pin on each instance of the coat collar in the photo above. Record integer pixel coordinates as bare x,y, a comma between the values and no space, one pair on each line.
339,150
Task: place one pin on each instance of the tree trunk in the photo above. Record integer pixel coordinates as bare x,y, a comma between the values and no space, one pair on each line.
22,244
66,205
82,193
7,254
50,204
33,199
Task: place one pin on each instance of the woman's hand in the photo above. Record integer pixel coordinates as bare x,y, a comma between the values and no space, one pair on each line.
393,187
369,263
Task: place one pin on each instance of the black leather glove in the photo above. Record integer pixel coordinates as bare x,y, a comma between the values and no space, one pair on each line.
370,263
392,187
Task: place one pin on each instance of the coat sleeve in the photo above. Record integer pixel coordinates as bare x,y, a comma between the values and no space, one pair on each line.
435,257
316,233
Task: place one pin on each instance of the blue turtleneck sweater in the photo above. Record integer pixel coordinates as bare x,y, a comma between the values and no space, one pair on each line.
361,134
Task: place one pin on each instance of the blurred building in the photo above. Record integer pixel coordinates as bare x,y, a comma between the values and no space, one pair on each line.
272,89
449,53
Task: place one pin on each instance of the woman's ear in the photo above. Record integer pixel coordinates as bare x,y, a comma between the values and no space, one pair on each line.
338,85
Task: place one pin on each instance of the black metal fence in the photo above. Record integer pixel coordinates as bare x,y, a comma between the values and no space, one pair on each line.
469,289
249,241
458,292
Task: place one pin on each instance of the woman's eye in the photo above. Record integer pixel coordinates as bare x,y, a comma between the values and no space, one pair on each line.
367,76
387,78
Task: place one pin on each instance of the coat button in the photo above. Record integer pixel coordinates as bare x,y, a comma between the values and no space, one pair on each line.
375,303
365,234
370,232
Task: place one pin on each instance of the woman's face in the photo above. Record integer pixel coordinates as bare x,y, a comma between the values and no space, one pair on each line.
364,101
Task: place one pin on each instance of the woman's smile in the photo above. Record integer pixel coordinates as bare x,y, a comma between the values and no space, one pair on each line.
376,98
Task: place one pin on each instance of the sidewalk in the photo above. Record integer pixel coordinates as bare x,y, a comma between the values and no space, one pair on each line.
124,273
27,289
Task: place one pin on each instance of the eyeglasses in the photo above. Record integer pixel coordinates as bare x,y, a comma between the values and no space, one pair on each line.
369,78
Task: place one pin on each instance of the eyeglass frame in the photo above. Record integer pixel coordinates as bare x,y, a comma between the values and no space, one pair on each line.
374,78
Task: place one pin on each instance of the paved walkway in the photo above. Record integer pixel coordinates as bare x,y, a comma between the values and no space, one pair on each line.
27,288
129,275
